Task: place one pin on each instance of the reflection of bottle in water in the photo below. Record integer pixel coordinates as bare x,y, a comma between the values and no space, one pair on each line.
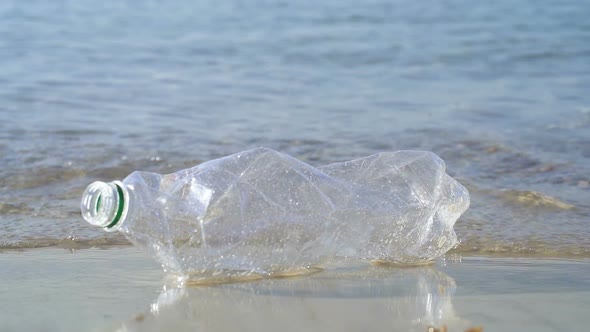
377,299
261,211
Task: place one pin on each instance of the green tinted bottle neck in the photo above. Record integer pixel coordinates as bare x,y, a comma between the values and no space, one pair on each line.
105,204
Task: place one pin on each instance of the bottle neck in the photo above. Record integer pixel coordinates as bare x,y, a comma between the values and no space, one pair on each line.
105,204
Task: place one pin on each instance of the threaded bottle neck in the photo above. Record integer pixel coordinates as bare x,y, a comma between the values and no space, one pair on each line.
105,204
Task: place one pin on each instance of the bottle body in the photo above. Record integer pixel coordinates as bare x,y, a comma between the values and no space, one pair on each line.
263,212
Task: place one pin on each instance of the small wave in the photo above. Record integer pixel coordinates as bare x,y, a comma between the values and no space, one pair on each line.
65,243
535,199
521,248
472,246
7,208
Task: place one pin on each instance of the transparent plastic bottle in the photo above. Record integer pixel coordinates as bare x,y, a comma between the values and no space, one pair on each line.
265,212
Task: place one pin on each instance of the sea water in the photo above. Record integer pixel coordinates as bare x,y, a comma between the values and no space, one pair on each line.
94,90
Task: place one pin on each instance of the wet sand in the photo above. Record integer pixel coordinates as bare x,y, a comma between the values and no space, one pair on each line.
120,289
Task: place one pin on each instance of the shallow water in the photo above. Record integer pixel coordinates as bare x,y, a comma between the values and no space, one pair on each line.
120,289
94,91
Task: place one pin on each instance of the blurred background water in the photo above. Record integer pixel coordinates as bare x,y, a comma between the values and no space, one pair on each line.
95,90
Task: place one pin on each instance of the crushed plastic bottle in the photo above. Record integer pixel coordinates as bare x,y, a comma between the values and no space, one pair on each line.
263,212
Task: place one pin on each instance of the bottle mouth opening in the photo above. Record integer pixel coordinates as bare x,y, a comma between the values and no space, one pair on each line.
105,204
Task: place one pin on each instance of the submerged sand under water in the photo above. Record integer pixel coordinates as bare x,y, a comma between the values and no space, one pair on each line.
516,210
120,289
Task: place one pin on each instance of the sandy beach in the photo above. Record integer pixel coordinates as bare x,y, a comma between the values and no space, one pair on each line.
120,289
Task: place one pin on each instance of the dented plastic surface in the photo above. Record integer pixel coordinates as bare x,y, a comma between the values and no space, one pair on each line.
265,212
